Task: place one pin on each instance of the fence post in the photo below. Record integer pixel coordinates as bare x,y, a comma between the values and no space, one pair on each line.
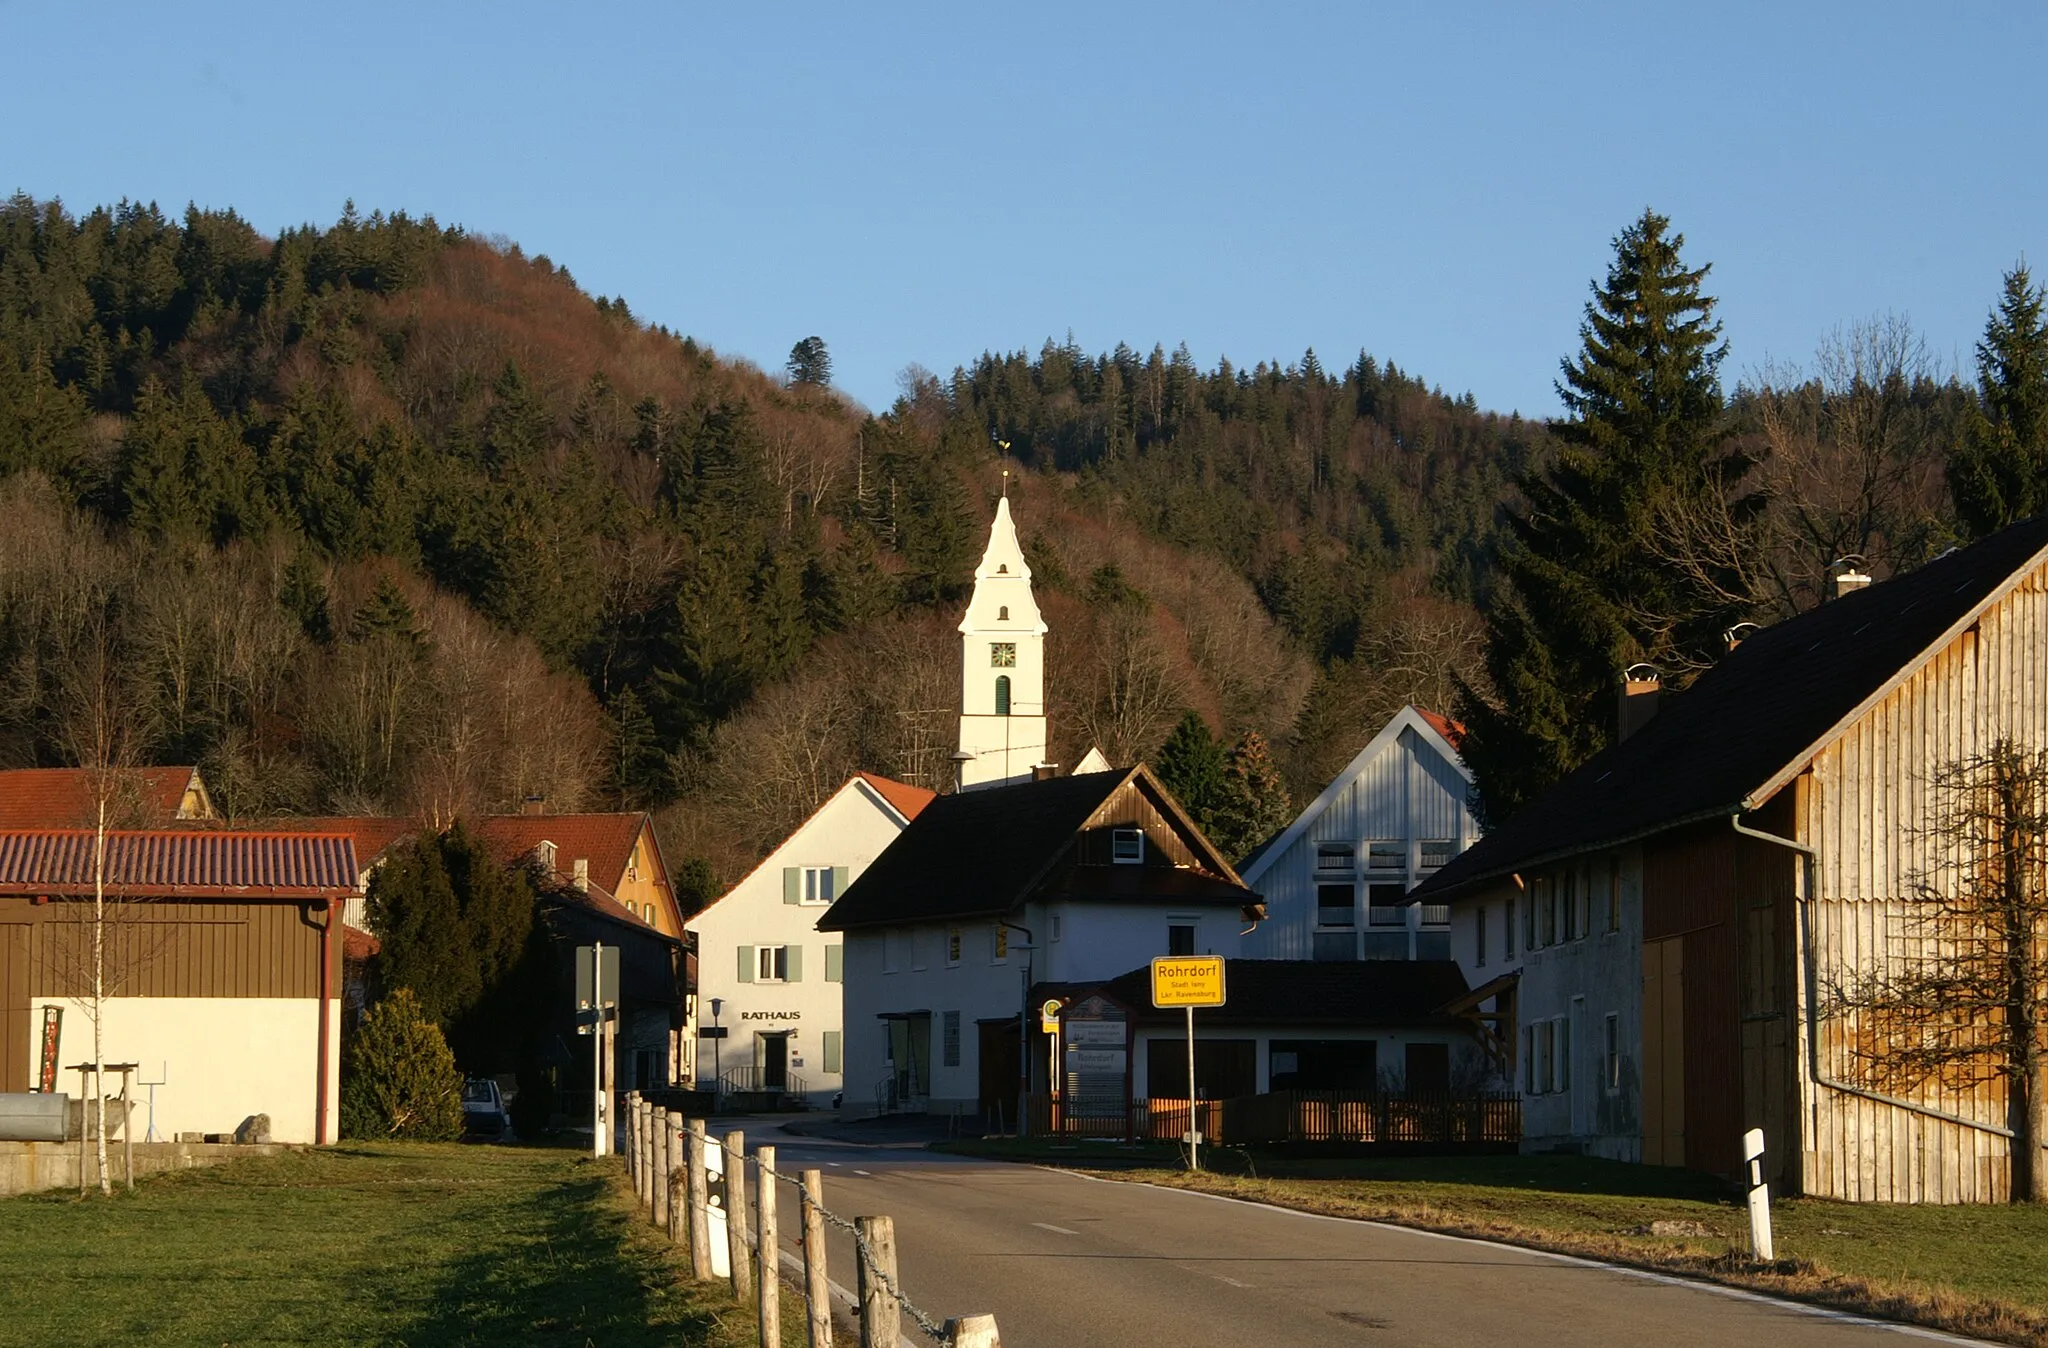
817,1285
647,1158
678,1176
881,1319
700,1204
736,1215
973,1331
765,1240
658,1133
631,1101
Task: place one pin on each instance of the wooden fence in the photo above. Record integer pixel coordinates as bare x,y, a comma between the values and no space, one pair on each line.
675,1165
1485,1119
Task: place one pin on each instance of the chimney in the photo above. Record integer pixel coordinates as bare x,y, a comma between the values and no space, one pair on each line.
1044,772
535,804
581,872
1640,687
1848,574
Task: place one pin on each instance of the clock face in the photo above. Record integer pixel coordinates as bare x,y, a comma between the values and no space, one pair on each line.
1002,654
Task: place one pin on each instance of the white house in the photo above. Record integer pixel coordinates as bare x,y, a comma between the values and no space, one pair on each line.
1336,880
768,1003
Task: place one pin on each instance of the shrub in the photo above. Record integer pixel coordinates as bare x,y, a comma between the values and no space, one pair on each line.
398,1077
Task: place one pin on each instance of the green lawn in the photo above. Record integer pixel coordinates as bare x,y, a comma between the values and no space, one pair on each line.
383,1244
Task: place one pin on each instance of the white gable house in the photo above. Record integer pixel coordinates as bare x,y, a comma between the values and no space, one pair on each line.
1336,880
769,985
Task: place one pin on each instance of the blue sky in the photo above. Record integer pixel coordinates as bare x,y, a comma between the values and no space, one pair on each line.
917,183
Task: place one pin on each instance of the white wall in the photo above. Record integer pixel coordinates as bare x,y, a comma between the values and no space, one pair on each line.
849,830
226,1058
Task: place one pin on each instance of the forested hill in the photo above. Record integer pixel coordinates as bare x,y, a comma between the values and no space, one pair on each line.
383,516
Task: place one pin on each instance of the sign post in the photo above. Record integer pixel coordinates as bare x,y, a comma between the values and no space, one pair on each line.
1189,981
597,1000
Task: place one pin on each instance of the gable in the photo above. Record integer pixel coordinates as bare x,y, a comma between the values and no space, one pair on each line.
859,808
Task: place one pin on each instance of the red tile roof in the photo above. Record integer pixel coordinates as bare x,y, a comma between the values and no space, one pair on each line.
1453,731
906,799
64,797
373,835
358,946
180,863
604,840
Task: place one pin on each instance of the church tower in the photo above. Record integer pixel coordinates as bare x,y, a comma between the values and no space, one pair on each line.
1002,666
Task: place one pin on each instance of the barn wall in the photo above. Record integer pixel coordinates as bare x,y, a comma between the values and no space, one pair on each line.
1869,806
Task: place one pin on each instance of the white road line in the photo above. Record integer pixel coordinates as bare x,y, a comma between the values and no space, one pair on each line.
1048,1226
1232,1281
1669,1280
868,1173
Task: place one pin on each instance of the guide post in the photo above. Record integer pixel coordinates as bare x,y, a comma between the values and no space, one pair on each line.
597,1000
1189,981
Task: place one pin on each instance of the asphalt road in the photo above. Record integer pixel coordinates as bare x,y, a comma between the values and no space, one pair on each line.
1063,1261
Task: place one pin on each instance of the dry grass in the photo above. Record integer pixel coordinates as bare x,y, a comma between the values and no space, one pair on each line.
1974,1271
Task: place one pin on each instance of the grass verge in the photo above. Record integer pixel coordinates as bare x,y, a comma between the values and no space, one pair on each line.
1978,1271
384,1244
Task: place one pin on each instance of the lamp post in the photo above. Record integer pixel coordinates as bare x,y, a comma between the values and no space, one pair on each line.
1024,1028
717,1043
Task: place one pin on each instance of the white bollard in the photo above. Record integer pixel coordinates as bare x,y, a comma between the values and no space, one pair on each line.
1759,1197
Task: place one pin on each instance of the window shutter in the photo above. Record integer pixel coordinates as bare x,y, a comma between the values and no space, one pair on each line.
792,884
795,955
832,1040
746,964
841,877
835,964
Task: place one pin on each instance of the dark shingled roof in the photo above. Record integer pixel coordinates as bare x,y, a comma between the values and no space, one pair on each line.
985,851
1766,707
1301,992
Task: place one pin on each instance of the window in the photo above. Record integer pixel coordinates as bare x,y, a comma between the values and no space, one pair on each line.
821,884
953,946
1610,1056
1381,857
1614,893
1546,1056
1582,922
772,963
892,952
1003,614
1528,1060
1055,924
1002,654
1180,938
999,944
1561,1079
1436,853
1546,912
1334,946
1002,568
1127,846
650,914
1002,695
1336,857
1385,902
1479,936
1336,906
1507,931
952,1039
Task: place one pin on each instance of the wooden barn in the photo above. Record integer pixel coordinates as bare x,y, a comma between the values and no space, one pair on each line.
1673,914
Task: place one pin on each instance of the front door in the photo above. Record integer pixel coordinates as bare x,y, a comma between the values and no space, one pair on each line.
17,1057
774,1062
1664,1052
999,1074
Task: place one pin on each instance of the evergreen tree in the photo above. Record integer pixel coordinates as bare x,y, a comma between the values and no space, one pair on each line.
1591,588
1252,803
639,768
1998,474
398,1078
1191,765
810,363
302,592
414,911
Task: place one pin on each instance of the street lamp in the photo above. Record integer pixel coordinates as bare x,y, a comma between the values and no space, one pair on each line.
1024,1030
717,1043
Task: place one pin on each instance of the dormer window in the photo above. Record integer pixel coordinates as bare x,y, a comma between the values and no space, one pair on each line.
1127,846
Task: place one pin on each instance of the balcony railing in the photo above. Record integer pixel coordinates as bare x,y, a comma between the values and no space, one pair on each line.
747,1080
1396,915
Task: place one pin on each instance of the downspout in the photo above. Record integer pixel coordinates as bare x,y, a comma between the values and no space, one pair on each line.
1804,912
326,990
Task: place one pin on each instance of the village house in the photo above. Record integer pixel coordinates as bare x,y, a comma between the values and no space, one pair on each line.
223,971
769,1019
1336,881
1669,915
151,797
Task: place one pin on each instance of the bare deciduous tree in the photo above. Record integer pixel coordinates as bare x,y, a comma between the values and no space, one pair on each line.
1962,998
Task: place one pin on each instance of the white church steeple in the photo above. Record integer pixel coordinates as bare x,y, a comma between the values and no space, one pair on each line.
1002,666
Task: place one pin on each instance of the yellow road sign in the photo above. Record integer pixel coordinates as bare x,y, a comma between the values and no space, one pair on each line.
1187,980
1049,1016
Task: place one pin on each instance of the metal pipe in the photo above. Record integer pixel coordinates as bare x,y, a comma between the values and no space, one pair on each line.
1811,857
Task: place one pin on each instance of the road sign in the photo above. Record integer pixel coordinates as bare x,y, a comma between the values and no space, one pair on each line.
1049,1016
604,989
1187,980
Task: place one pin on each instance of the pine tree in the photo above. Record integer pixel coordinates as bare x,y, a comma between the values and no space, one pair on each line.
1591,588
399,1079
1191,764
1998,474
639,769
1252,804
414,911
810,363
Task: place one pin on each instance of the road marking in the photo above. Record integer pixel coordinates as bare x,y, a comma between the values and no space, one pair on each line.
868,1173
1048,1226
1232,1281
835,1164
1669,1280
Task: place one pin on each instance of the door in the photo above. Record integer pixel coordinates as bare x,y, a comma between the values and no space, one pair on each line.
998,1069
774,1062
1664,1052
16,1042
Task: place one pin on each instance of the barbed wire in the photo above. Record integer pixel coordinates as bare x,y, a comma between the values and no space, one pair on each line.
933,1329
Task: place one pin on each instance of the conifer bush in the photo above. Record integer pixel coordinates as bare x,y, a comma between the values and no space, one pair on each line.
399,1079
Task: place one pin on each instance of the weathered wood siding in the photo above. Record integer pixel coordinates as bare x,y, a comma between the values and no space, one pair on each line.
1869,805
